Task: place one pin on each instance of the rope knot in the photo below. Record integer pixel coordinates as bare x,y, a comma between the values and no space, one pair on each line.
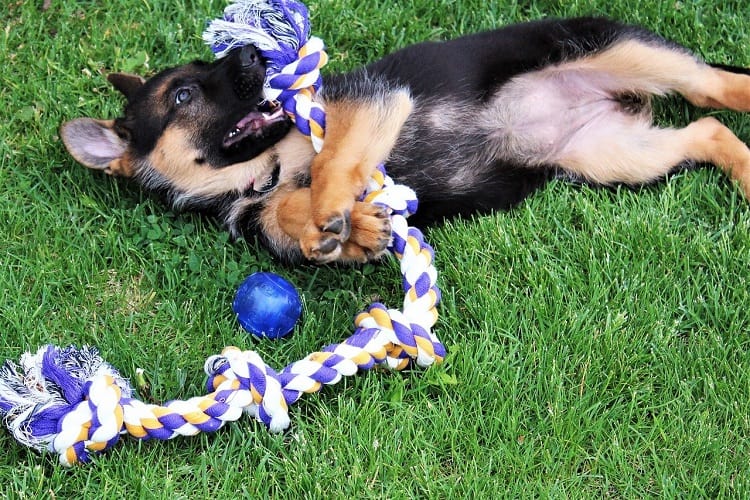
93,424
64,400
242,379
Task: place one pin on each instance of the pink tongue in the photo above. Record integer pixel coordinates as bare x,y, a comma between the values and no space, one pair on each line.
250,118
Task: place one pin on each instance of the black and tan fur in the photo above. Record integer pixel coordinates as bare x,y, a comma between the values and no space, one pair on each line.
472,125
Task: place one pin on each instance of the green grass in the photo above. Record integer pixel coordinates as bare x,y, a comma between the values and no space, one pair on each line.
598,339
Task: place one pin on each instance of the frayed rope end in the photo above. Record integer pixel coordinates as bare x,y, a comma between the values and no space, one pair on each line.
43,387
277,28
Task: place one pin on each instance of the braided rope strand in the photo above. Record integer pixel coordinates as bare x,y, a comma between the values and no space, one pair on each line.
294,86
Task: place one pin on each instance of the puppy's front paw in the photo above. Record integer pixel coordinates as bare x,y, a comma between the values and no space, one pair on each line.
320,247
371,233
322,243
360,236
339,224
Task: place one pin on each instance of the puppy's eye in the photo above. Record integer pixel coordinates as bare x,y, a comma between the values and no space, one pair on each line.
182,95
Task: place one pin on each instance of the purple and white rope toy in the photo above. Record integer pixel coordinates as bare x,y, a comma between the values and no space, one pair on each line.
71,402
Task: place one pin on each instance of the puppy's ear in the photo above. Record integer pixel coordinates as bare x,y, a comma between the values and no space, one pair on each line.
126,83
95,144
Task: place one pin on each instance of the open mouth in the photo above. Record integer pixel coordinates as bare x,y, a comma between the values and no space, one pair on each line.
253,124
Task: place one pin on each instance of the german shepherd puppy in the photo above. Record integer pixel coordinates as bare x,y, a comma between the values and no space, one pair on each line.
472,125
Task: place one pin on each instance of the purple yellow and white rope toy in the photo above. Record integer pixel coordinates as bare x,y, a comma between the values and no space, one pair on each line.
69,401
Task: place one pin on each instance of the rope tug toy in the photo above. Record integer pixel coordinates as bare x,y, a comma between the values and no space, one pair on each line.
71,402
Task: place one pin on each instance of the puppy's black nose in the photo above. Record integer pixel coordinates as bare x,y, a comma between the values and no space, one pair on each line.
248,56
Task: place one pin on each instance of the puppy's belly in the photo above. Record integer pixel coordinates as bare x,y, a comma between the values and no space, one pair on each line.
537,118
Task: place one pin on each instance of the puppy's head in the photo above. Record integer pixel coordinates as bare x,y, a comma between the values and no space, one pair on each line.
198,134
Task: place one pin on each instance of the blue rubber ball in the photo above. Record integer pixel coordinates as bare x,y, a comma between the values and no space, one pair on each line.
267,305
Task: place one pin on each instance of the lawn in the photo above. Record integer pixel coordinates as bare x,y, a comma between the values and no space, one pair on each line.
598,339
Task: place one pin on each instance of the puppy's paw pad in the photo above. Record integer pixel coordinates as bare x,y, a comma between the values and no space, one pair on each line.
327,246
339,224
320,247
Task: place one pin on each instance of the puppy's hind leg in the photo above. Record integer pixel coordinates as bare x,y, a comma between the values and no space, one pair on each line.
655,68
634,153
622,148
